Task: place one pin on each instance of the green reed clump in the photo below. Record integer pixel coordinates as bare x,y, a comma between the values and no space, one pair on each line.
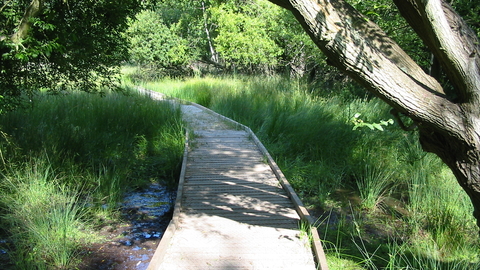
42,215
67,161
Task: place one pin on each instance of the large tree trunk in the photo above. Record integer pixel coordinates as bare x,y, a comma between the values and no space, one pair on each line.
449,125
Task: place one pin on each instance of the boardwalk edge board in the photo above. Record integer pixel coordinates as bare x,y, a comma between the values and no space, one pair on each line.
174,223
316,244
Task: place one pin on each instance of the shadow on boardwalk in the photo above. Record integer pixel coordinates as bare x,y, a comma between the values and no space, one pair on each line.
232,212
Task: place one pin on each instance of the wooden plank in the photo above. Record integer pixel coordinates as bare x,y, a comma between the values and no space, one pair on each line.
216,189
221,146
229,198
230,169
232,181
226,165
255,219
232,178
224,140
206,191
227,158
229,208
238,175
228,180
215,185
225,150
213,205
259,197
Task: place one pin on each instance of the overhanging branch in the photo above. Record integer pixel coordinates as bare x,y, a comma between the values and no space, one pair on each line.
282,3
361,49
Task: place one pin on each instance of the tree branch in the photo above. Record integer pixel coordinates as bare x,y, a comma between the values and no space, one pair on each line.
450,39
33,9
282,3
5,5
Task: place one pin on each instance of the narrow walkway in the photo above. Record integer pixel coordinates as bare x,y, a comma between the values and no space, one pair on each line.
231,211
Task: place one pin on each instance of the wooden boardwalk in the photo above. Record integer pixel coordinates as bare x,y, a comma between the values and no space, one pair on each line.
232,212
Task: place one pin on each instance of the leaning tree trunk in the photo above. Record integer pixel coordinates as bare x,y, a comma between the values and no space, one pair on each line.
449,125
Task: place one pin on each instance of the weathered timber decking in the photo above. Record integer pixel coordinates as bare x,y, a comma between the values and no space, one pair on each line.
232,212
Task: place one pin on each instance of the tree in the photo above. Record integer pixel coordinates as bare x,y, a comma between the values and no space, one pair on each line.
448,122
57,44
153,44
237,25
219,33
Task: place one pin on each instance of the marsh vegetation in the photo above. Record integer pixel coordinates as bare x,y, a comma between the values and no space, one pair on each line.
68,160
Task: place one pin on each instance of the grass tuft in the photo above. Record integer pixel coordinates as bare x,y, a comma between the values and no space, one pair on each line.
44,217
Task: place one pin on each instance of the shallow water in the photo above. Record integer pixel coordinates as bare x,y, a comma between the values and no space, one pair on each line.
148,212
144,209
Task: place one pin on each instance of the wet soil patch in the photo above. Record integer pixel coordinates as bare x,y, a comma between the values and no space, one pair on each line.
132,243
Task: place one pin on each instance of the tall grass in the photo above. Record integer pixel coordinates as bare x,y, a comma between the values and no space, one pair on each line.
394,191
43,216
373,184
68,159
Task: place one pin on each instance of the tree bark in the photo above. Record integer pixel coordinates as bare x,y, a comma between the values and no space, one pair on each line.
448,126
213,52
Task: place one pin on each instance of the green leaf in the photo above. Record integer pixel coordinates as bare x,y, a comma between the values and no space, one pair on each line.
377,126
22,57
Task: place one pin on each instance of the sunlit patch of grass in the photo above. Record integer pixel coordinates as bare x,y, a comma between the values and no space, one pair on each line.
336,262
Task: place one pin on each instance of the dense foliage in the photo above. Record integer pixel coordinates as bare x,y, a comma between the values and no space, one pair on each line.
154,44
64,44
81,43
255,37
240,36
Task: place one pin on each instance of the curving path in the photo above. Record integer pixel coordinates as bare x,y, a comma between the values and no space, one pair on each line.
232,212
